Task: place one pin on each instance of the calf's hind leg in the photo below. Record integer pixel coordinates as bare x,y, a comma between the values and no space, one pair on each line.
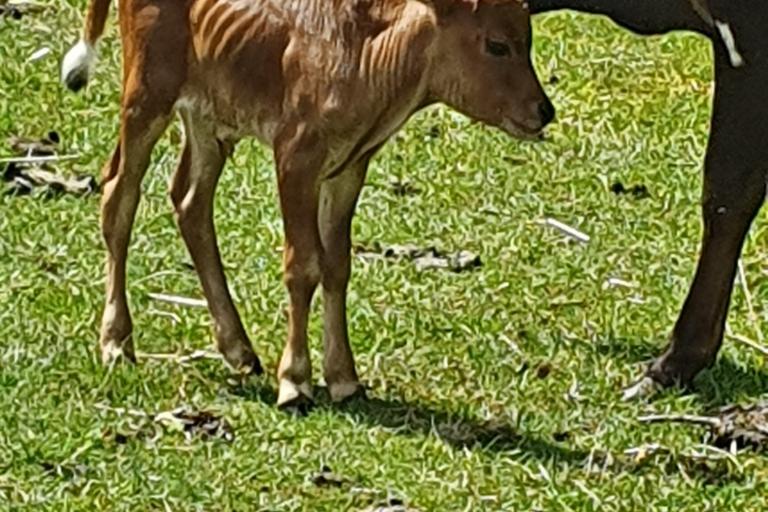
192,192
141,126
152,80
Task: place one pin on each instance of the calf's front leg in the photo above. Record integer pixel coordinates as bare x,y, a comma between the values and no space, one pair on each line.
338,198
300,157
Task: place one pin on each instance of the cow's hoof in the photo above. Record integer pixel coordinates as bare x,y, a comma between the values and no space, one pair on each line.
295,398
114,351
680,367
345,391
644,388
242,359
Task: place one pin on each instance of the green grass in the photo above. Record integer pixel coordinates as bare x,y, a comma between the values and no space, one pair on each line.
459,419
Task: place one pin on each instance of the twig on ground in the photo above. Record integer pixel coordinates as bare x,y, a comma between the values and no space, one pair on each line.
39,54
167,314
567,230
121,411
709,421
180,358
746,341
188,421
619,283
716,454
155,275
699,453
37,159
180,301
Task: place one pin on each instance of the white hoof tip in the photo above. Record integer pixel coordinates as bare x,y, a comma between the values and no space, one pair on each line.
643,388
346,391
243,362
112,353
295,398
299,406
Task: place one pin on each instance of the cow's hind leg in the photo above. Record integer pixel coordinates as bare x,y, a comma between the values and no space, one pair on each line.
338,198
192,192
142,124
734,190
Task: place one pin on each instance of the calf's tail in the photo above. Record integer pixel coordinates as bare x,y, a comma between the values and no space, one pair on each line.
78,62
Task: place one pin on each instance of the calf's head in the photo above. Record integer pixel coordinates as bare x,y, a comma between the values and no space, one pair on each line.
482,65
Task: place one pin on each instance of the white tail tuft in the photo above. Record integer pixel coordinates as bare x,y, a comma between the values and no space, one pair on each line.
77,64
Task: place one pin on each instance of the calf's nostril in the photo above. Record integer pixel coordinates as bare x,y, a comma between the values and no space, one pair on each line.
546,111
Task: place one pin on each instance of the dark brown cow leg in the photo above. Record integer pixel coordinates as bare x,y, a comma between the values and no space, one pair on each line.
734,190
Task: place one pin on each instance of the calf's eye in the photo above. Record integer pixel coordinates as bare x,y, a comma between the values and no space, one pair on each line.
497,48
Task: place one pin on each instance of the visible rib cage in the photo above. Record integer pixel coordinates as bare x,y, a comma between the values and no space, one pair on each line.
221,28
350,38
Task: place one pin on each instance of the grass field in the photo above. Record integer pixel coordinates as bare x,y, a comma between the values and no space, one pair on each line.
495,389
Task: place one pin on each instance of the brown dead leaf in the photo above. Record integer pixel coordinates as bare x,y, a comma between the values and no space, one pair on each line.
391,505
423,258
18,9
34,168
204,424
327,478
746,426
730,426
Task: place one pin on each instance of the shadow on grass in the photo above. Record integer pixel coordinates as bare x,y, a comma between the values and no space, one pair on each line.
497,436
457,430
727,382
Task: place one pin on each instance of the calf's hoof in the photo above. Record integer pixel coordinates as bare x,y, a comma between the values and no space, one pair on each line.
242,359
113,351
295,398
345,391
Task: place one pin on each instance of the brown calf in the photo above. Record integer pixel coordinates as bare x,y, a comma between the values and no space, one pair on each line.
325,83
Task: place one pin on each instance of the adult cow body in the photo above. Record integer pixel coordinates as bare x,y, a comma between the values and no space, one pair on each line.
735,165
